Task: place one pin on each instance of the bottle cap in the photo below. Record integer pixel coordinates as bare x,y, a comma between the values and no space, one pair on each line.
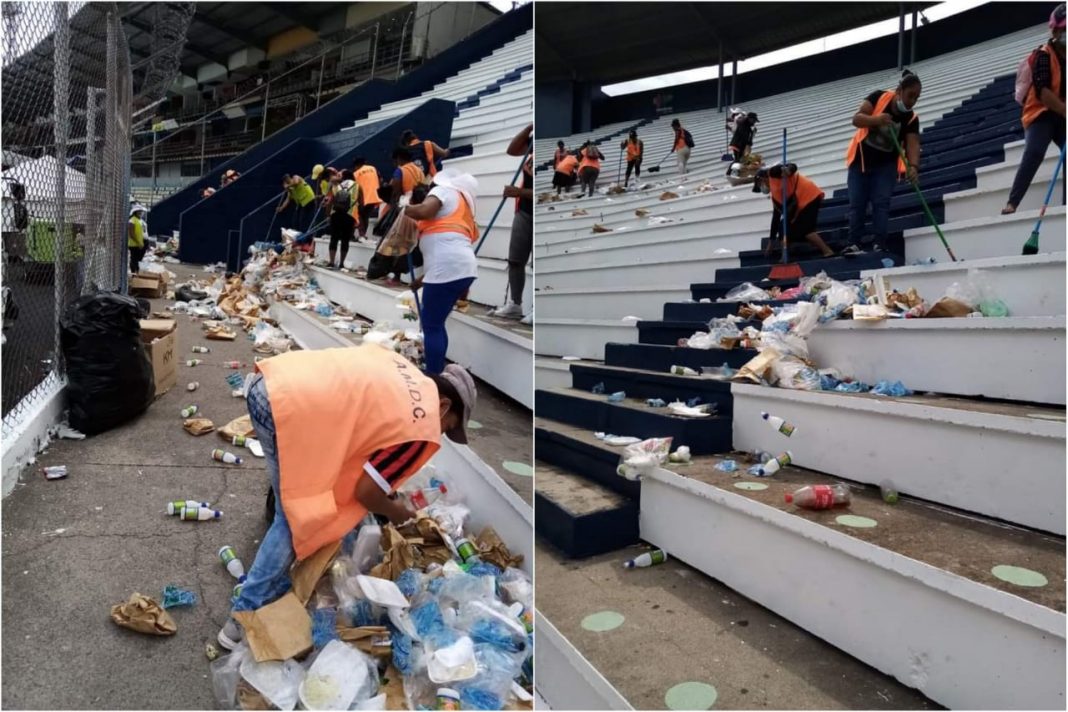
628,564
789,497
765,415
216,514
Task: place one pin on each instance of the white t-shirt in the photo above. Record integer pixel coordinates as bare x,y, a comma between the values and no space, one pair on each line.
447,256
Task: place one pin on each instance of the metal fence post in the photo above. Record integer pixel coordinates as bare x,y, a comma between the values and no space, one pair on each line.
374,53
61,89
266,99
319,91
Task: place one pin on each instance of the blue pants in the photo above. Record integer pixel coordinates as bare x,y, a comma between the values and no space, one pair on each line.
268,578
438,301
873,186
1046,129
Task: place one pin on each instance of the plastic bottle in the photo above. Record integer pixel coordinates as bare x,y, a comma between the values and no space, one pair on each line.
466,551
649,558
199,513
201,350
193,386
819,496
447,699
227,457
232,364
237,590
772,466
426,496
239,440
177,506
778,423
189,411
683,371
888,491
193,362
228,556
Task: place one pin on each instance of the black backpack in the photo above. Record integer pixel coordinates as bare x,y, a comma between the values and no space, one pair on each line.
687,138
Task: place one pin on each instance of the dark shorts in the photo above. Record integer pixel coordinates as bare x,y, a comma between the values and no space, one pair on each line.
563,180
341,228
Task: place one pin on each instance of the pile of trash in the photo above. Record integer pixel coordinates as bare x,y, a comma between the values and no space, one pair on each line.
427,615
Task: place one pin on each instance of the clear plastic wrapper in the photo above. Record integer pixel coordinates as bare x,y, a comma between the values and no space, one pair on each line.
745,292
640,459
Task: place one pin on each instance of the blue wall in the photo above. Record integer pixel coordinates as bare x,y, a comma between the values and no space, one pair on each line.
351,107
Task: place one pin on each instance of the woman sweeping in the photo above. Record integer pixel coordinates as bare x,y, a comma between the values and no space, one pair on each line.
447,233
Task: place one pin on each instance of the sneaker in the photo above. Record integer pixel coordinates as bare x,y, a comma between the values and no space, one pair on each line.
851,251
528,319
231,634
509,311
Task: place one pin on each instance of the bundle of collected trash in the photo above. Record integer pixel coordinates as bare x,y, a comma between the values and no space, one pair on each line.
427,615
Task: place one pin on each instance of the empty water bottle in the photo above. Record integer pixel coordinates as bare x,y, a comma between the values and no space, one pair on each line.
888,492
193,362
227,457
683,371
772,466
819,496
189,411
199,513
177,506
649,558
193,386
201,350
228,557
778,423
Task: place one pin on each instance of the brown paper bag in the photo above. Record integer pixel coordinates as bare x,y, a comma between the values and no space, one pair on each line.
399,554
277,631
306,574
601,228
393,688
494,551
641,212
144,615
249,698
668,195
237,426
757,366
578,212
946,307
220,333
198,426
371,639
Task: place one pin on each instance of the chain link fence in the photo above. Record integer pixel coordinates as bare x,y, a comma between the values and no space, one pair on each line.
67,94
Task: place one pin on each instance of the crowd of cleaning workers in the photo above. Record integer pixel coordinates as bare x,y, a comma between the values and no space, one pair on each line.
884,150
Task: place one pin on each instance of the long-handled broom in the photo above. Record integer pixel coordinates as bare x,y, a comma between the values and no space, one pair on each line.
500,205
1031,246
785,270
919,194
656,168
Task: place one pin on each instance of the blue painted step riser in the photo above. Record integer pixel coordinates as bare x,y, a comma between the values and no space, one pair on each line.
704,436
705,312
585,535
660,359
643,385
834,264
591,463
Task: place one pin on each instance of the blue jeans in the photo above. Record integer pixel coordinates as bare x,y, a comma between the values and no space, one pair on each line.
268,578
873,186
438,301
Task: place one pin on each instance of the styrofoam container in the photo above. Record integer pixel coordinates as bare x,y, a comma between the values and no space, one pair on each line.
382,592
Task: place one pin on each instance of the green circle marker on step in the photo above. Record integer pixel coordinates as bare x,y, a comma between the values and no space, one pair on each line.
751,486
474,424
852,520
602,621
1019,576
519,468
691,696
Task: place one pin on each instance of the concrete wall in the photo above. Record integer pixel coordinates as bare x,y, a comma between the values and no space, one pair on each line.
553,103
439,25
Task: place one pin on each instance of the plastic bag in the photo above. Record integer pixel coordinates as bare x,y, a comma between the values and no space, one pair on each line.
109,377
977,292
642,458
836,299
745,292
896,389
186,293
339,677
789,345
278,682
796,375
225,674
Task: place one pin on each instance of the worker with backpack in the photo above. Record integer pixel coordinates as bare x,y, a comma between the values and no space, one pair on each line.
342,224
1040,91
681,147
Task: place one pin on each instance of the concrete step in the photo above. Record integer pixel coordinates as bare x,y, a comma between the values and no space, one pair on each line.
632,417
1023,358
607,302
992,235
576,450
1030,286
913,596
966,204
706,311
642,266
579,517
869,260
660,358
584,338
551,372
641,384
959,451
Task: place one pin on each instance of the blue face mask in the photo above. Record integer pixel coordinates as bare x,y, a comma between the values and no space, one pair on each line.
900,105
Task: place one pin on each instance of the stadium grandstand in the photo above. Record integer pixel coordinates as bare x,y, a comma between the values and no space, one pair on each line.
941,583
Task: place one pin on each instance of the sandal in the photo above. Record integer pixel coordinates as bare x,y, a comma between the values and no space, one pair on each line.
1008,210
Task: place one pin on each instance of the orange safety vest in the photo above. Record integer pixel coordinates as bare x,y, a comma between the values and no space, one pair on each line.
634,150
428,151
802,188
333,408
854,145
567,164
680,138
461,220
1033,105
588,162
560,154
367,178
412,176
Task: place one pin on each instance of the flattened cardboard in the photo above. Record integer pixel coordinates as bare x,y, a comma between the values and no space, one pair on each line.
277,631
306,574
161,343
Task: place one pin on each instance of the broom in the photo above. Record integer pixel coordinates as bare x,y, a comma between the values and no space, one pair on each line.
784,270
919,194
1031,246
656,168
503,200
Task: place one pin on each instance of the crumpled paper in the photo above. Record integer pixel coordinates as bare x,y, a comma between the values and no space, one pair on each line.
494,551
756,367
237,426
144,615
600,228
668,195
370,639
198,426
220,333
641,212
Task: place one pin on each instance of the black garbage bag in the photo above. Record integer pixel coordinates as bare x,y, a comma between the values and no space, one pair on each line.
185,293
109,375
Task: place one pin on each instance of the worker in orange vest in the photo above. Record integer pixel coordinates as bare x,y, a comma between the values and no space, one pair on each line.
341,430
635,152
425,154
560,153
873,160
564,174
589,167
366,176
682,145
447,233
803,201
1043,110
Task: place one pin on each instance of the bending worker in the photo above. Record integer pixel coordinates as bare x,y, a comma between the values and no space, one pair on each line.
341,430
803,201
589,168
681,147
635,152
366,177
301,195
426,154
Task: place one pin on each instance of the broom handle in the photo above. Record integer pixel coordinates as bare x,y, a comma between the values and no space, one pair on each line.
415,292
1049,191
919,194
785,181
486,232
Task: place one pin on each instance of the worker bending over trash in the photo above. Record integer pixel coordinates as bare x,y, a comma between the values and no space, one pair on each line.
341,430
803,201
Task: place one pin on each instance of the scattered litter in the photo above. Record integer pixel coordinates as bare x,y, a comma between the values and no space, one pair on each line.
683,371
198,426
895,389
189,411
819,496
174,596
144,615
193,385
198,514
597,227
681,455
233,565
649,558
55,472
631,319
223,456
616,440
641,212
177,506
668,195
774,465
888,492
598,389
570,358
655,402
617,397
778,423
211,652
641,458
66,432
699,411
578,212
727,466
220,333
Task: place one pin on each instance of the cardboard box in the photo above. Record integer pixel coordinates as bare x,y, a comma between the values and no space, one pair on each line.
145,284
161,342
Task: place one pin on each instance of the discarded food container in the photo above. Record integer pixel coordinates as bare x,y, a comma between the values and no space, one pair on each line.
683,371
201,350
177,506
228,556
423,498
819,496
888,492
772,466
649,558
189,411
778,423
200,514
227,457
193,362
447,699
55,472
193,386
617,397
655,402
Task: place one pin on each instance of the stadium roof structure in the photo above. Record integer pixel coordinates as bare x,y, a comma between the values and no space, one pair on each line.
640,39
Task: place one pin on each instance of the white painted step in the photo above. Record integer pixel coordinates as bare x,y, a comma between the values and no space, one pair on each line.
958,452
989,235
1012,358
584,338
640,266
609,302
551,372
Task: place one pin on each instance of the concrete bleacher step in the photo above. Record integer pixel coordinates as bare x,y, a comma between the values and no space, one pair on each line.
719,289
991,235
579,517
607,302
660,358
578,451
618,266
971,445
913,596
584,338
668,333
640,384
632,417
1022,358
553,372
497,351
706,311
868,260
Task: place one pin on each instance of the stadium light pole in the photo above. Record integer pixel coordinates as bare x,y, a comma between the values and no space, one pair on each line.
374,52
203,140
266,98
61,107
734,77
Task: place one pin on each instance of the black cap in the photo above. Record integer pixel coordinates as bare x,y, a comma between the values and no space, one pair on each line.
675,122
752,116
760,175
